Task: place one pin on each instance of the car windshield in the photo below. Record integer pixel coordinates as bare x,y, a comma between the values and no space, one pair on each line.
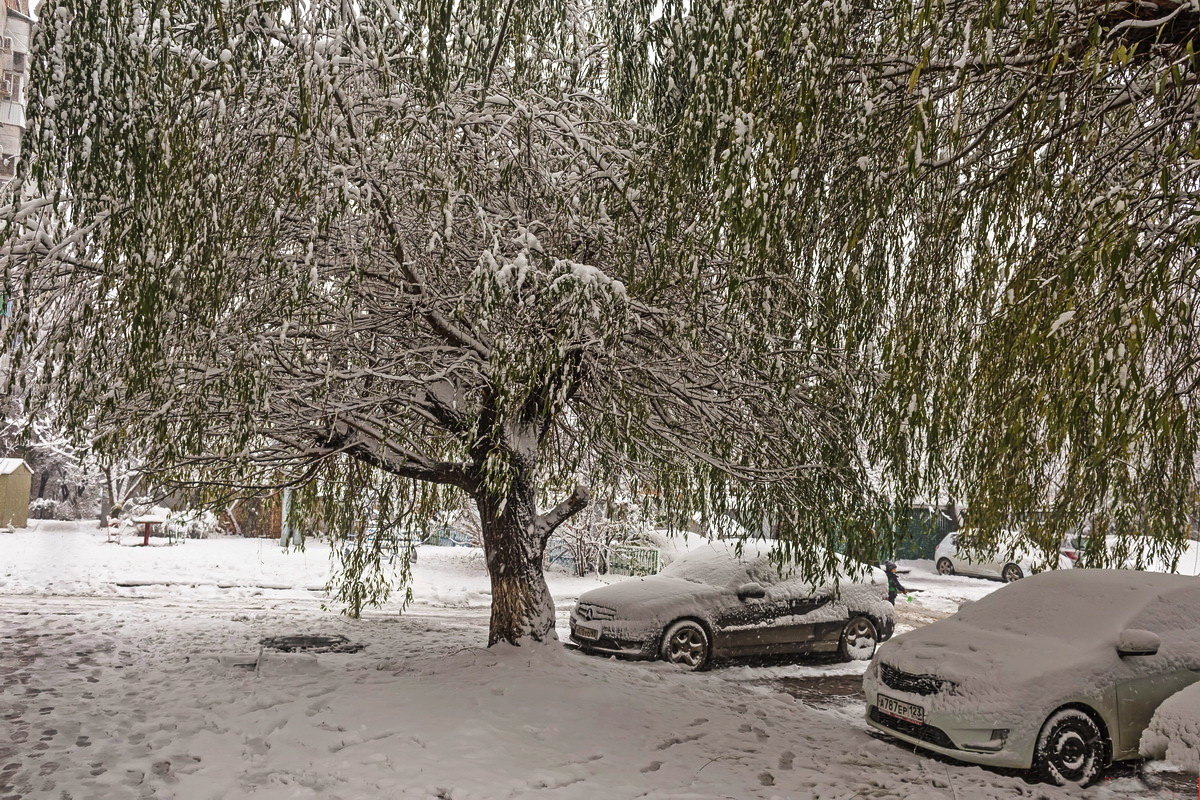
1089,606
717,564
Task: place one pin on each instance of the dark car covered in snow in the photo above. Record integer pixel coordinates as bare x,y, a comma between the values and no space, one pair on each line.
714,602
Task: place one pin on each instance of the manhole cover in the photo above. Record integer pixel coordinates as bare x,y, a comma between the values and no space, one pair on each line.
311,644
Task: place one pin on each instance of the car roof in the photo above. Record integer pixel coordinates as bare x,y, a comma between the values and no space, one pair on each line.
1080,602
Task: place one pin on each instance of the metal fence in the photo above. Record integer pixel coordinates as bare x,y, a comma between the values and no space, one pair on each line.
630,560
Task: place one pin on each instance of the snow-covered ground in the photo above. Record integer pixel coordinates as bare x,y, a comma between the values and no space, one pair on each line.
73,558
158,691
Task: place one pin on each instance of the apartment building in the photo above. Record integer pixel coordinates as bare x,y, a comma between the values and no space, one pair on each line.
14,69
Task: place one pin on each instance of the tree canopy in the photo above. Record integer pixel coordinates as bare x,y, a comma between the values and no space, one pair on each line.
800,260
1000,200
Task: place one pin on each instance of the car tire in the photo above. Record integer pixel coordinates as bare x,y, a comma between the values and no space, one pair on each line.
859,640
1012,572
686,644
1071,750
945,566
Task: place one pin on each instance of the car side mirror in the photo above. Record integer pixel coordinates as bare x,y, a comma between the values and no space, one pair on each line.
749,591
1136,642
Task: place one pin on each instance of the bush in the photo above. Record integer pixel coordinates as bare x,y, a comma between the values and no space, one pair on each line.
192,524
45,508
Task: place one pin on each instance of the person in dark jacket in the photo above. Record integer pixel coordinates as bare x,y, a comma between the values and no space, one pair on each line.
894,585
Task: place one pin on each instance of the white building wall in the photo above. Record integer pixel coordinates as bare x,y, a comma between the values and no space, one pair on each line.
14,75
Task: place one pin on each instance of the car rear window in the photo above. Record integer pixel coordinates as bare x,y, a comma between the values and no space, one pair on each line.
717,564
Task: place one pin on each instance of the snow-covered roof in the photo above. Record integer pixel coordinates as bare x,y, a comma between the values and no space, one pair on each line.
9,465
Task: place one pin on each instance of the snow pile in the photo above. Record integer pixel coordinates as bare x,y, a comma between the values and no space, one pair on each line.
1174,733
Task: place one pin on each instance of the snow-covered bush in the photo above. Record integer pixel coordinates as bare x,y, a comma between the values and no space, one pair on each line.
45,508
586,542
1174,732
195,524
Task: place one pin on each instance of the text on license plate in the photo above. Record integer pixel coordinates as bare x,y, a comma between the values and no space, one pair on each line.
585,632
898,708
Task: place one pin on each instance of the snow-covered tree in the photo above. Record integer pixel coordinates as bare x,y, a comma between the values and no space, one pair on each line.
1003,200
409,245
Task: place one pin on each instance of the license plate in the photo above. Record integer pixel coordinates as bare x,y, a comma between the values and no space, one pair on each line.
585,632
909,712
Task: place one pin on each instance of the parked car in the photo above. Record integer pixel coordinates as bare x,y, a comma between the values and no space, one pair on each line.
711,603
1134,552
1059,673
391,543
1010,561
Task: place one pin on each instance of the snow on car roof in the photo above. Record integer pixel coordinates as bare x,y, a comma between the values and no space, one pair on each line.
1074,603
1065,621
718,563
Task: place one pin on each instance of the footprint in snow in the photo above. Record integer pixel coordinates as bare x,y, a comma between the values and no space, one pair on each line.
679,740
653,766
786,758
766,779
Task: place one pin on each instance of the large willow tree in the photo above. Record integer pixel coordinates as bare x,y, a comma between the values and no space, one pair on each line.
392,251
784,258
1009,196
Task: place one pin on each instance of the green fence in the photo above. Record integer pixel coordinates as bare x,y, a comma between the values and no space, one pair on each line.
918,533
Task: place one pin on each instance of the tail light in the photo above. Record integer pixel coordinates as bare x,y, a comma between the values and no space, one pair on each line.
1071,554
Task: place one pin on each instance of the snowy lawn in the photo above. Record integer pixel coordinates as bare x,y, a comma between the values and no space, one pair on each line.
110,698
151,691
73,558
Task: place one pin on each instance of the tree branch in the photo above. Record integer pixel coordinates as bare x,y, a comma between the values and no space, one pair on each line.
356,445
576,502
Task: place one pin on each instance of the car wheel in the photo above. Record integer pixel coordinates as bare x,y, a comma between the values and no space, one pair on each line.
945,566
686,643
1071,750
1012,573
859,640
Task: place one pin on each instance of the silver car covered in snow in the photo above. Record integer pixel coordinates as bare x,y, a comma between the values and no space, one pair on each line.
714,603
1060,672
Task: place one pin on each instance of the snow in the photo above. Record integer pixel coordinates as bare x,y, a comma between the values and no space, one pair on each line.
420,713
672,544
10,465
1188,562
1174,732
162,692
716,564
1064,625
72,558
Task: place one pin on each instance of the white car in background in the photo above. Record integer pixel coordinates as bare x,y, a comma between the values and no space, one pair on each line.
1061,672
1010,561
1135,552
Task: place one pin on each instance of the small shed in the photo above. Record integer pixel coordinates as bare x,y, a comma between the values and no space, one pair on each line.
15,480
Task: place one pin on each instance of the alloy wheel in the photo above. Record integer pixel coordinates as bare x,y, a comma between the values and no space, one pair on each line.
859,640
687,646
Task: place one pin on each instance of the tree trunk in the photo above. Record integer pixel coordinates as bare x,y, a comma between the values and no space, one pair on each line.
514,543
